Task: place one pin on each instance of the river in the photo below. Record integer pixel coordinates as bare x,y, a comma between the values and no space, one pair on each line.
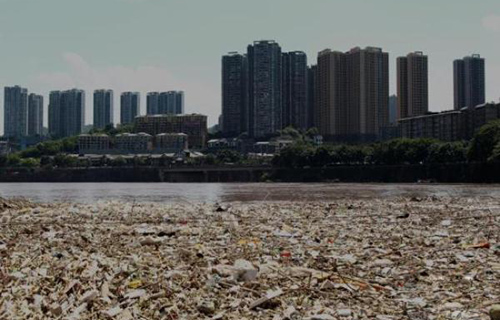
232,192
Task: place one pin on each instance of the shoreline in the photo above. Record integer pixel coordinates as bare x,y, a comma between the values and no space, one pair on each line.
487,173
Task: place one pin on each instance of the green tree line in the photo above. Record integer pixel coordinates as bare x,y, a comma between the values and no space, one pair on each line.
484,147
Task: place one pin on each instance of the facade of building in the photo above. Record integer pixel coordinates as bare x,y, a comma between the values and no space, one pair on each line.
130,143
352,94
66,113
103,108
152,103
393,110
294,90
264,91
369,68
451,125
194,125
15,112
130,104
93,143
469,82
171,142
311,95
332,94
264,84
35,115
171,102
412,85
234,94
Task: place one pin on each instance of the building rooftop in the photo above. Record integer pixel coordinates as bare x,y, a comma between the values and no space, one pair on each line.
170,115
171,134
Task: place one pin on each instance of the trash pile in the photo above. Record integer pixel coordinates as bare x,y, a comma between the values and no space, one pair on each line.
419,258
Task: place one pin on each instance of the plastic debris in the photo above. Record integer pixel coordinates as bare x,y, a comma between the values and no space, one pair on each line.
495,312
344,259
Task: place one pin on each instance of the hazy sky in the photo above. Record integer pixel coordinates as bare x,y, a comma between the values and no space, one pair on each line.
146,45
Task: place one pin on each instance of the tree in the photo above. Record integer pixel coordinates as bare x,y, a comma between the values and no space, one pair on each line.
296,155
292,133
401,151
495,154
29,163
321,157
484,142
118,162
312,132
13,159
447,152
45,160
62,160
228,156
4,161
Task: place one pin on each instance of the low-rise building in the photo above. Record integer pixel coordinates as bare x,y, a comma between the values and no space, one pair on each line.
271,147
223,144
171,142
194,125
133,143
93,143
450,125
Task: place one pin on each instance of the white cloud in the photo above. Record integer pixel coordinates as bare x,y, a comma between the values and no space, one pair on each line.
200,97
492,22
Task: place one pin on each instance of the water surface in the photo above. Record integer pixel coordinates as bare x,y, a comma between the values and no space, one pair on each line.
231,192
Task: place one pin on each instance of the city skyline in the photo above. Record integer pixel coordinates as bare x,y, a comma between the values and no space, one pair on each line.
292,105
66,57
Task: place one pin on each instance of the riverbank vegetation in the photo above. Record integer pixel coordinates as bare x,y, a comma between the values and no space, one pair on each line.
484,147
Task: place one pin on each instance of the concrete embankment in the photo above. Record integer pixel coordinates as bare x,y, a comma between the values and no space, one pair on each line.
445,173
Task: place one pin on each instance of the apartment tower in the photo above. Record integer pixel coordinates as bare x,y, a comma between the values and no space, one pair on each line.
234,94
412,85
66,113
103,108
352,91
294,90
264,84
469,82
35,115
15,112
129,107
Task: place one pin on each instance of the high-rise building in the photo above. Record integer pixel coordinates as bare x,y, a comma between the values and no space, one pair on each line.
413,85
178,99
234,94
103,108
294,90
152,103
311,95
469,82
55,114
393,110
370,70
265,94
35,115
66,113
352,94
171,102
129,107
332,94
15,112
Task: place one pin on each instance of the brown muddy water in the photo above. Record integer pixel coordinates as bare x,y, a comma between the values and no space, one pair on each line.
234,192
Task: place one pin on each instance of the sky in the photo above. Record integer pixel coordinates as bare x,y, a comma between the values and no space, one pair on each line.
162,45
